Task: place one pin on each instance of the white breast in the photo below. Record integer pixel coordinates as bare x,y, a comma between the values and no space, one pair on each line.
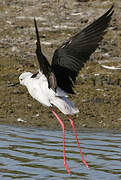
38,89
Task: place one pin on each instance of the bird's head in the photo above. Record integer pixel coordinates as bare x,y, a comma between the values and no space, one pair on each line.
24,77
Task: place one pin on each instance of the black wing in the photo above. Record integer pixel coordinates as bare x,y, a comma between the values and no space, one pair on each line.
70,57
45,67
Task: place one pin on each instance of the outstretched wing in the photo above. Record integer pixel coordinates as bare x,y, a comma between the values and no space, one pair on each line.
70,57
45,67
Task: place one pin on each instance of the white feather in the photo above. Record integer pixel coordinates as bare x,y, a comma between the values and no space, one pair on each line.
111,67
64,105
38,89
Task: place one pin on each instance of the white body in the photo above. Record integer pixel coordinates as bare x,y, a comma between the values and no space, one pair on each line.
38,89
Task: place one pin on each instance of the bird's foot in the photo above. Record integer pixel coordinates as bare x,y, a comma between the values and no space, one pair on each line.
85,163
67,168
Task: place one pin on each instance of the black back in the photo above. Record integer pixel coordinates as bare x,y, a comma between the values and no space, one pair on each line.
45,67
70,57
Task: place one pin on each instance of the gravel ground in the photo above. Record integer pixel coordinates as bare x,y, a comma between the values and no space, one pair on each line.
98,87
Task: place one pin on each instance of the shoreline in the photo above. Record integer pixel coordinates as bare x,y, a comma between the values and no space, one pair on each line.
98,89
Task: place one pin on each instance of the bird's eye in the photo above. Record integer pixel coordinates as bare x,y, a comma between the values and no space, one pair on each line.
21,79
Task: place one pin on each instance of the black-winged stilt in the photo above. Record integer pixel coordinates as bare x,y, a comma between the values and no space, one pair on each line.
50,85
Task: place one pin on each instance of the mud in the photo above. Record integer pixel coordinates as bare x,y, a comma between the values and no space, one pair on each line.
98,90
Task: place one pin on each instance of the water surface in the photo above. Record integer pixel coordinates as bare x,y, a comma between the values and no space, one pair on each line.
31,153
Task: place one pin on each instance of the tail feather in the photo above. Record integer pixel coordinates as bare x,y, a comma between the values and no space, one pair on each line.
64,105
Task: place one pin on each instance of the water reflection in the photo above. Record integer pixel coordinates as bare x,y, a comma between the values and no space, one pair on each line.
28,153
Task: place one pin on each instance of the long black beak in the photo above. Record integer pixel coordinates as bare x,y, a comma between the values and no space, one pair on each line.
12,85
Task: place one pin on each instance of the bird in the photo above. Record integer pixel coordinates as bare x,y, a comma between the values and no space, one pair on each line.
53,82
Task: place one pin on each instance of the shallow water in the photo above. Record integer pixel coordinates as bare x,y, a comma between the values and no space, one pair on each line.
30,153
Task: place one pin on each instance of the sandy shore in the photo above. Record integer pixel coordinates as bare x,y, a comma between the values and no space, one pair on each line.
98,87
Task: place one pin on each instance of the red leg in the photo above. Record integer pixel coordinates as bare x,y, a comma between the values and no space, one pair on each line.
63,127
74,130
